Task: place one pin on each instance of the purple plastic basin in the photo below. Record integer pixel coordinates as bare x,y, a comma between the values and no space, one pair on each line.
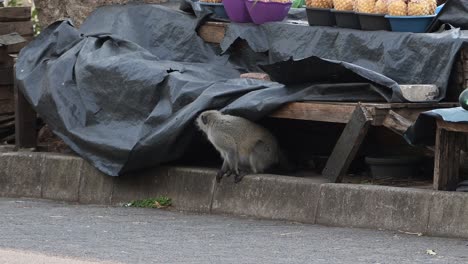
237,11
262,12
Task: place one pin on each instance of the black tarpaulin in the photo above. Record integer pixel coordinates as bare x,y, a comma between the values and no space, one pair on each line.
386,58
454,13
123,91
423,131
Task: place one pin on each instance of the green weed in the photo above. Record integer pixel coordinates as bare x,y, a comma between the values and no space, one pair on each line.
159,202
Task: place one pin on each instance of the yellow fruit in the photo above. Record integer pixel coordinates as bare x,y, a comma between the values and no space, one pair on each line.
320,3
418,8
345,5
381,7
397,8
364,6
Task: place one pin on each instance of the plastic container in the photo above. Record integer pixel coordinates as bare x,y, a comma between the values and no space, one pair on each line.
346,19
439,8
263,12
320,16
415,24
216,8
394,167
373,22
237,11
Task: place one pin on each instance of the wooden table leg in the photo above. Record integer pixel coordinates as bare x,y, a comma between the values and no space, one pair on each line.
347,146
25,122
447,159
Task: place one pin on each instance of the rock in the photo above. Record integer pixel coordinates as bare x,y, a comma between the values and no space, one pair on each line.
256,75
419,92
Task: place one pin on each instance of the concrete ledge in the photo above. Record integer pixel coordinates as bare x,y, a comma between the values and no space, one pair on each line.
374,207
449,215
70,178
268,196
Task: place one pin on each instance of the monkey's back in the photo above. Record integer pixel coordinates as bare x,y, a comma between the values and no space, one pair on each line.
245,133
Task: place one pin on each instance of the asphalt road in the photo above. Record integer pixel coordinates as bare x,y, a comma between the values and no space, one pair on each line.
33,231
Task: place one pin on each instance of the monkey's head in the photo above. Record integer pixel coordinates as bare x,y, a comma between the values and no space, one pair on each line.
205,119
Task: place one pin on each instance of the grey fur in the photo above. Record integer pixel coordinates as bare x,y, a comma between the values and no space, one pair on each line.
244,146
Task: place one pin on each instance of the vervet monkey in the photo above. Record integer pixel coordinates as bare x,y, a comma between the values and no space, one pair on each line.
244,146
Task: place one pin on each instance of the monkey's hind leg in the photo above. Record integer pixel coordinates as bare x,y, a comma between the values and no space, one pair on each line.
229,166
261,158
238,177
225,170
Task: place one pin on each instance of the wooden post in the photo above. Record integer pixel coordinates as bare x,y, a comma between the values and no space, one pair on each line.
25,121
449,139
348,144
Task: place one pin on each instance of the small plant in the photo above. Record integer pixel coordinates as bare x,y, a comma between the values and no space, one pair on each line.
159,202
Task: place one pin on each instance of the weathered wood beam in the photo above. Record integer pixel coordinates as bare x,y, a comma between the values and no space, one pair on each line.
348,144
8,14
25,122
322,112
24,28
396,122
447,158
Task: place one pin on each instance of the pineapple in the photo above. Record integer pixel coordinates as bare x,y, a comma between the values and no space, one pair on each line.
381,7
432,6
320,3
364,6
418,8
345,5
397,8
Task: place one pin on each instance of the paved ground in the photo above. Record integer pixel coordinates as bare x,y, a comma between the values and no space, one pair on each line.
49,232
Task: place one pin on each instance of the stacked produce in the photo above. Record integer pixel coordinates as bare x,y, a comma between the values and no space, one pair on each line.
381,7
390,7
344,5
365,6
397,7
320,3
421,7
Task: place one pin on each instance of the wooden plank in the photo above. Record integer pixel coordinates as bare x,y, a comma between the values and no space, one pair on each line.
396,122
411,105
9,14
11,39
20,27
447,159
316,112
6,75
340,112
16,48
25,122
347,146
212,32
6,92
454,127
6,106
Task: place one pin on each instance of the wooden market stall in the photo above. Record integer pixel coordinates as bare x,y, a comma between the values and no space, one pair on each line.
359,116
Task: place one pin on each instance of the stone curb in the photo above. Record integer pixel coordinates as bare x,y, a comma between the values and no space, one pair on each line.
70,178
